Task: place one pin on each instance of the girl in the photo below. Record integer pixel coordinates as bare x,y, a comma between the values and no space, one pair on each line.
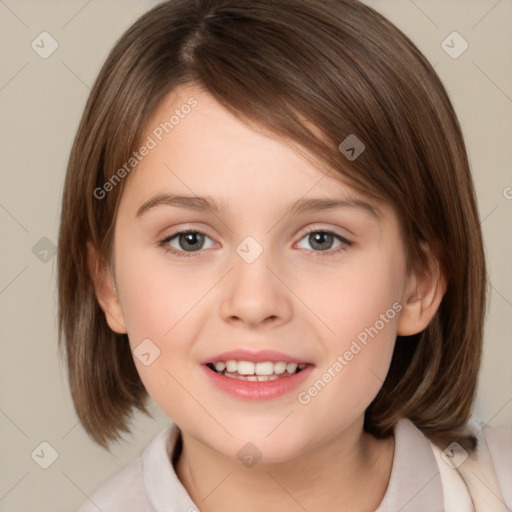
269,227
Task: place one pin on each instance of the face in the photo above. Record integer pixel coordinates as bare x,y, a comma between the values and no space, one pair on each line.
259,278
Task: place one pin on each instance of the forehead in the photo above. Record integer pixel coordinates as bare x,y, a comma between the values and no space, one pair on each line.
199,148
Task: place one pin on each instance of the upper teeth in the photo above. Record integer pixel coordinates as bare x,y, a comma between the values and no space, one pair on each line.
262,368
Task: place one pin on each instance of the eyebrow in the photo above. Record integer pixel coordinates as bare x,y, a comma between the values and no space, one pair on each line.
206,204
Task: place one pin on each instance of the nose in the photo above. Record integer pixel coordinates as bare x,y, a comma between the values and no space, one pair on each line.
255,294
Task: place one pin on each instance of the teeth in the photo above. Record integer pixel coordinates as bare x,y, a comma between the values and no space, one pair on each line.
220,366
261,371
267,377
245,368
252,378
291,367
231,366
263,368
279,368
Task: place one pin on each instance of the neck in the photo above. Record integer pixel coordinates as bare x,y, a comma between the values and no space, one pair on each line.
349,472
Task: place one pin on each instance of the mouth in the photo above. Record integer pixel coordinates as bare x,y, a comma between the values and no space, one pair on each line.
255,376
261,371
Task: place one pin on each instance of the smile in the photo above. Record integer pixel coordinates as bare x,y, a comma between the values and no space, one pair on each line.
255,376
261,371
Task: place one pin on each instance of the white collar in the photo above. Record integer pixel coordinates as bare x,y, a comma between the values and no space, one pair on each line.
414,485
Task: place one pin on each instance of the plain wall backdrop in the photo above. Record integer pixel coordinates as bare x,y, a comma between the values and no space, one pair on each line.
41,101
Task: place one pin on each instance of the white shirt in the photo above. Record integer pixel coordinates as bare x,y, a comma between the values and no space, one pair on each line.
421,480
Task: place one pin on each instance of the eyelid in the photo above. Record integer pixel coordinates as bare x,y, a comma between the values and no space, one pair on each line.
312,229
345,243
323,229
184,228
164,243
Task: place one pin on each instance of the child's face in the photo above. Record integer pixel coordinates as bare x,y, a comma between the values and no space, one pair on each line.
302,296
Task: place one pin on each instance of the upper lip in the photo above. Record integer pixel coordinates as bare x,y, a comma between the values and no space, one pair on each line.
259,356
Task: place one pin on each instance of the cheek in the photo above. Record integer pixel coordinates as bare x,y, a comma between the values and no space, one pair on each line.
158,306
358,295
370,314
361,307
157,295
353,374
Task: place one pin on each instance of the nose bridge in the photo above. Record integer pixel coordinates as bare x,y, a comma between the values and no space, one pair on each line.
254,294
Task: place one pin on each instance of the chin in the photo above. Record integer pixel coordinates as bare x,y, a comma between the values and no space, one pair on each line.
250,447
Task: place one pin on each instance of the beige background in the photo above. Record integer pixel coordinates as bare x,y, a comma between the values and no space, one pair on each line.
41,102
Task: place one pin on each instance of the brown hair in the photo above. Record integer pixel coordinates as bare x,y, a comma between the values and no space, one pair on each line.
343,68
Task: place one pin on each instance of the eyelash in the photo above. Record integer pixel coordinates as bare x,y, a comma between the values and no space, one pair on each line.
188,254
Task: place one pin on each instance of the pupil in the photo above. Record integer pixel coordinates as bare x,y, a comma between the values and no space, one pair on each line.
191,239
320,239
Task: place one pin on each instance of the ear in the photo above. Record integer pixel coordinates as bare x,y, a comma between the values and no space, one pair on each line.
106,292
422,298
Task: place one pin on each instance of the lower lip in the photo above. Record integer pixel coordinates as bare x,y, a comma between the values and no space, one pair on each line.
258,390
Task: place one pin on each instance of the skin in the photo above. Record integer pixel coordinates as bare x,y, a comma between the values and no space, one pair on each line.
293,298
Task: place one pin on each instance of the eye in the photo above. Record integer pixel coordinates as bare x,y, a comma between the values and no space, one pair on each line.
184,242
323,241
